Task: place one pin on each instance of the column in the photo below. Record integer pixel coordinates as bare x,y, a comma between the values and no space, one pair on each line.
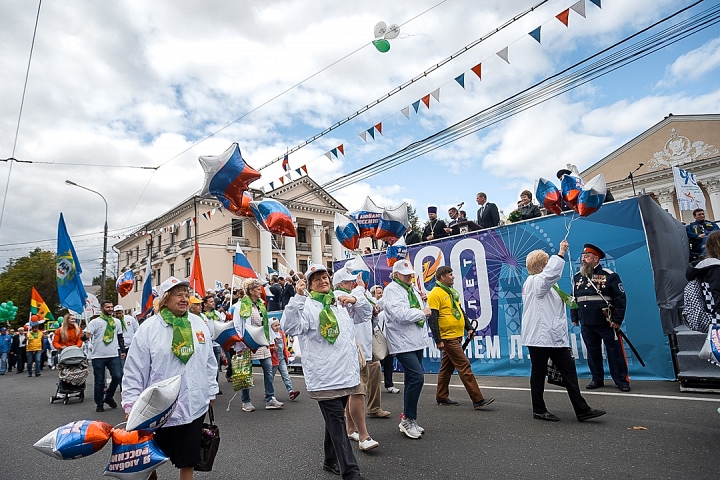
265,251
666,198
291,252
316,242
713,189
337,248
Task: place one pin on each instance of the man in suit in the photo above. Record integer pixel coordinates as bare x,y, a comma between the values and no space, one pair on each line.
487,215
274,303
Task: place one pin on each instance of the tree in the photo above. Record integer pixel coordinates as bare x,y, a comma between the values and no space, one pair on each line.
110,291
414,219
21,274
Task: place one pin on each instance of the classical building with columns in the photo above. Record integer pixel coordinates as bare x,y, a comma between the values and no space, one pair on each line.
691,142
169,240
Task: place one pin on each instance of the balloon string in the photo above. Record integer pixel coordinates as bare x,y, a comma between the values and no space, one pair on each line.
568,225
233,398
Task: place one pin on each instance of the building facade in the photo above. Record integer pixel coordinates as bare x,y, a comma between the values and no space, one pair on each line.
169,240
691,142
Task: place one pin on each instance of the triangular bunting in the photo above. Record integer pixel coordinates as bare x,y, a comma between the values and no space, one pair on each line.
329,155
477,70
212,213
282,180
378,127
299,172
579,8
363,135
596,2
426,100
341,149
205,215
504,55
461,79
371,131
564,16
416,105
304,168
272,185
436,94
536,33
334,152
288,177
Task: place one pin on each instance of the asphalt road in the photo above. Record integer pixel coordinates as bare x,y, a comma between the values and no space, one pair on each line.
680,438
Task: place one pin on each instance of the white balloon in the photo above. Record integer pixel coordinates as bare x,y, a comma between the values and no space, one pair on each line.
154,405
392,32
380,29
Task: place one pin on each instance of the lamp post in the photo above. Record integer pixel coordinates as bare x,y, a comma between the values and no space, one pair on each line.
105,237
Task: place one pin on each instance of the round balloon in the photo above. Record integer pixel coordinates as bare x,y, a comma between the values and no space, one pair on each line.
382,45
392,32
380,29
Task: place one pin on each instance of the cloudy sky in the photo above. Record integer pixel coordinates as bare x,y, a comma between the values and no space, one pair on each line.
136,83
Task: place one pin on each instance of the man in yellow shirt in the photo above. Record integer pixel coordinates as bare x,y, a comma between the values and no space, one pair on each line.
34,346
448,324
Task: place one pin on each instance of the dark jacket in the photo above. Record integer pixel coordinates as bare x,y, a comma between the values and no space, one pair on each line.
490,216
591,304
707,270
436,228
288,292
695,229
274,303
411,237
529,211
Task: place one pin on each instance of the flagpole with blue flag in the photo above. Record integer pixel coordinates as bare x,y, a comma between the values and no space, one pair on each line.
70,288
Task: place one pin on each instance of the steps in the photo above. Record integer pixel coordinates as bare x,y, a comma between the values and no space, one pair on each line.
694,373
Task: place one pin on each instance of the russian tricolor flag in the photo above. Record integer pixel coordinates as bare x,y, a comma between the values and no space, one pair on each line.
241,265
124,283
286,163
148,296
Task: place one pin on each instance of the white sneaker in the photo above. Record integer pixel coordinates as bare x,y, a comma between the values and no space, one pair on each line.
393,390
248,407
410,428
273,404
420,429
368,444
355,436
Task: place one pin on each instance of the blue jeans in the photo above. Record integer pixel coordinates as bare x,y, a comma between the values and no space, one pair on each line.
114,366
414,380
34,356
3,362
216,351
266,364
284,374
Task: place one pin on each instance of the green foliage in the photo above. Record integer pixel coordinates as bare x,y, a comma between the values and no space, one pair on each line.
110,291
21,274
413,219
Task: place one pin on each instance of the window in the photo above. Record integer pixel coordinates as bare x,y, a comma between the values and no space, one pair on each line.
137,253
303,265
328,239
188,229
187,267
237,227
156,274
172,238
159,243
302,235
128,257
172,269
147,248
138,284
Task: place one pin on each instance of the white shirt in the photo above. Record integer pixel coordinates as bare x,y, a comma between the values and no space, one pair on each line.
401,331
544,318
97,328
326,366
150,360
131,326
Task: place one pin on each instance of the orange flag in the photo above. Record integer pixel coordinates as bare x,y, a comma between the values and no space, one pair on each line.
378,127
341,149
564,16
426,100
477,70
196,277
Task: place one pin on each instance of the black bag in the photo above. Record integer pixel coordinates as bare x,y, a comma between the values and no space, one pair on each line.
209,444
553,374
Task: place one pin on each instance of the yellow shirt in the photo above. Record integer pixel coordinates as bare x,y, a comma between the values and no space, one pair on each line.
450,327
34,344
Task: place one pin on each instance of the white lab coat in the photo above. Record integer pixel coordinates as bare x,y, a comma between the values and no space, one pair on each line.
361,313
150,360
131,326
401,332
544,319
326,366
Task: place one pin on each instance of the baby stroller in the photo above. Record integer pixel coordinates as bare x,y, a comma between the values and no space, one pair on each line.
72,372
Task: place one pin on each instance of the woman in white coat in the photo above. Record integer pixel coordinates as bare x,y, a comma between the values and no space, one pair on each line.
545,333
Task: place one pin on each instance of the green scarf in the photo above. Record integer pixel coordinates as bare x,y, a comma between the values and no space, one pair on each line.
246,305
329,327
212,315
344,290
568,299
455,296
109,328
183,345
414,303
122,323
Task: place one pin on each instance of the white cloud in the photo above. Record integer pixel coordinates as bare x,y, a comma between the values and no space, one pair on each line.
694,64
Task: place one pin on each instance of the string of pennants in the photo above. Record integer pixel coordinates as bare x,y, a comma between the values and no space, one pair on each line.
370,133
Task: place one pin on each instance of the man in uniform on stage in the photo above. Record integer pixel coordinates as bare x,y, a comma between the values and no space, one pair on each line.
600,296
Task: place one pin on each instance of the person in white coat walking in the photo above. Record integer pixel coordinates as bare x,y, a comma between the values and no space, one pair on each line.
545,333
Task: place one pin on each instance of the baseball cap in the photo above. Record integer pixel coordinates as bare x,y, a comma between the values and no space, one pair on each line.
194,299
403,268
171,283
118,308
314,268
342,275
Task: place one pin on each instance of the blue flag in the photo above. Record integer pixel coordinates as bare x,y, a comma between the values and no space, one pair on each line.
70,288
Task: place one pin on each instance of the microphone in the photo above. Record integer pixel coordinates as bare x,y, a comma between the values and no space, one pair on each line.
640,164
460,205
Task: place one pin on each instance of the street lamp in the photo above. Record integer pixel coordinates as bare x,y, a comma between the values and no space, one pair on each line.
105,237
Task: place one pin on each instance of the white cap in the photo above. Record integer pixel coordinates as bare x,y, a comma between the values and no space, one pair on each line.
314,268
118,308
342,275
170,283
403,267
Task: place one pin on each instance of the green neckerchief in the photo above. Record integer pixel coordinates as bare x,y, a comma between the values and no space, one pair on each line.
183,345
122,322
212,315
34,335
329,327
343,290
109,328
246,305
454,299
413,300
568,299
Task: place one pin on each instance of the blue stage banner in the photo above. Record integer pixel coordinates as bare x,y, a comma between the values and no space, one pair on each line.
489,268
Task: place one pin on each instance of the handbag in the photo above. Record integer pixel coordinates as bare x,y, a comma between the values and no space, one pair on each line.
209,444
711,348
553,374
379,346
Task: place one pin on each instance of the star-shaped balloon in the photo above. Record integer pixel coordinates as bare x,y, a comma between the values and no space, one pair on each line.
227,176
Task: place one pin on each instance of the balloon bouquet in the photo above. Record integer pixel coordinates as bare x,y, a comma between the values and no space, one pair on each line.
584,199
383,33
7,311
